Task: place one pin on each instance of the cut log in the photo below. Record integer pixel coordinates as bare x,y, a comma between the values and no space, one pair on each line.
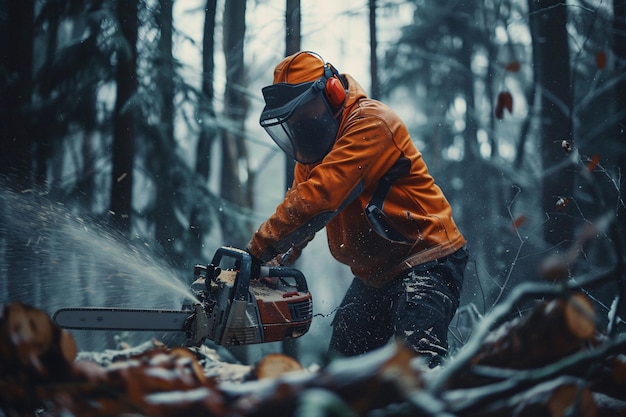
553,330
33,350
275,365
30,342
360,384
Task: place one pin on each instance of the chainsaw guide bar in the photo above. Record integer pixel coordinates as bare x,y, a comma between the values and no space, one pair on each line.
103,318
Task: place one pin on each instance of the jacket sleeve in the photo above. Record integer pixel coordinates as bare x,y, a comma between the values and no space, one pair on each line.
320,192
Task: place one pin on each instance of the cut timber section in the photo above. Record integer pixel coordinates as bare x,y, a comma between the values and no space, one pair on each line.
582,375
553,330
275,365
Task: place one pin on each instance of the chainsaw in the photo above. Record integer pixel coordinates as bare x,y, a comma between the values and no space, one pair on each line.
231,307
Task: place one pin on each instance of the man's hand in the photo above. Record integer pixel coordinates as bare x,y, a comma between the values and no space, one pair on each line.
286,259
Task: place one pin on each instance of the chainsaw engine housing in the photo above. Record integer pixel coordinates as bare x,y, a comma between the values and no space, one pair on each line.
242,311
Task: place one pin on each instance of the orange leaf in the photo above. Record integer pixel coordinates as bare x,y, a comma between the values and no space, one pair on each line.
513,66
593,164
601,60
504,101
518,222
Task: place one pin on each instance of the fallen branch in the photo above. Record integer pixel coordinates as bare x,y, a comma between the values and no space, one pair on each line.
499,315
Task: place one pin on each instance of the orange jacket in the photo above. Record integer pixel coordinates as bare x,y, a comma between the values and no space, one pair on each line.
335,192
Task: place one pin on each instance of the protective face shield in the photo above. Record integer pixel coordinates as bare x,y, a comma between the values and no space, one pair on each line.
300,120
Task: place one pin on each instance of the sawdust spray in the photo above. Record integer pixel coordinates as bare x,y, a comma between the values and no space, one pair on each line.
54,256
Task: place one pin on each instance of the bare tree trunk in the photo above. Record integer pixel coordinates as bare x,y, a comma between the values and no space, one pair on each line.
375,93
293,38
124,129
552,73
234,154
168,230
293,19
208,130
17,59
15,137
619,47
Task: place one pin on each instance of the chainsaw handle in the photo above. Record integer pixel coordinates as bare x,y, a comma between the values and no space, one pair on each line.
244,265
287,272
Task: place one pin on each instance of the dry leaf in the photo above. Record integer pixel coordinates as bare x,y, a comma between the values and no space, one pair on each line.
601,60
504,102
518,222
580,316
513,66
593,164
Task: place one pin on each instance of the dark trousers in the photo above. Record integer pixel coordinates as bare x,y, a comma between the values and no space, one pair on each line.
416,307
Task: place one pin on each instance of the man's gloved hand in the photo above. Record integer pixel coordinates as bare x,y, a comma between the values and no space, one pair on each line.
255,272
287,258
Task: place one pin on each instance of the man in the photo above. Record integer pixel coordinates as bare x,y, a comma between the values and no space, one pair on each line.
359,175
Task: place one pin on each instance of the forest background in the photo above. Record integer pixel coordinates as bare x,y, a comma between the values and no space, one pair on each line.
130,147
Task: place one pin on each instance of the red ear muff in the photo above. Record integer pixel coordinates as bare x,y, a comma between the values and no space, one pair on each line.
335,92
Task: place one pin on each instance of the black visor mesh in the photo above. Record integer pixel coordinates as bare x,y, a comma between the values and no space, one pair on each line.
299,119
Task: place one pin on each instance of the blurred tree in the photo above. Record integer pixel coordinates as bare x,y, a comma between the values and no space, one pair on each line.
165,163
293,38
551,60
375,86
619,48
235,173
199,222
124,119
80,41
16,140
619,232
16,52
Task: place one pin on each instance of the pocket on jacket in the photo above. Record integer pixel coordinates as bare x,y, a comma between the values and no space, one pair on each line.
383,226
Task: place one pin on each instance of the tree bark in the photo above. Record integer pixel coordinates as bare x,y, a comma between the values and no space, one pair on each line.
15,99
552,73
168,230
619,48
234,153
293,21
16,143
208,130
293,38
124,124
375,93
